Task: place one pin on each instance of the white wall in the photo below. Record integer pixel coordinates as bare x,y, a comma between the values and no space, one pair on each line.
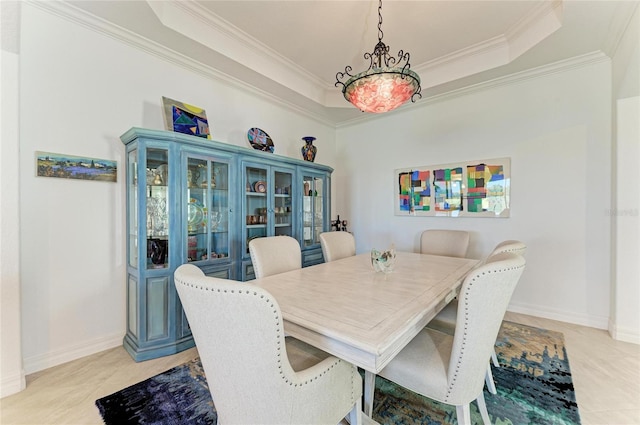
12,376
80,91
625,319
556,129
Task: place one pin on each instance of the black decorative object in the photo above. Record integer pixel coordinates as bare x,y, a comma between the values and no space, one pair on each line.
157,250
339,225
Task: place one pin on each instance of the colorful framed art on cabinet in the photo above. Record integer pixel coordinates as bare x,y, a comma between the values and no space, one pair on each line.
184,118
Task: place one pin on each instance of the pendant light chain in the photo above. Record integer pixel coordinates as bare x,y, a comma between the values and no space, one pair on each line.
380,33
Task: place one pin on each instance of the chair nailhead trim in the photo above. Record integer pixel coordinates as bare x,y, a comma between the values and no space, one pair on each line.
466,322
275,312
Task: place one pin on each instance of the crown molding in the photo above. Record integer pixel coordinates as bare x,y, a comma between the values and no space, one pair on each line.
500,50
622,22
87,20
515,78
200,24
534,27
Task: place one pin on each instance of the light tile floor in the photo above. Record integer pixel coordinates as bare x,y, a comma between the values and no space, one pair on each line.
606,375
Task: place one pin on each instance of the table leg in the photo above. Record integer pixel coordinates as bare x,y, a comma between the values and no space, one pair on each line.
369,390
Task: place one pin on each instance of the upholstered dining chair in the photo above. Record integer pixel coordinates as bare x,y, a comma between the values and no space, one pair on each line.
337,245
445,320
452,243
252,374
274,254
451,368
517,247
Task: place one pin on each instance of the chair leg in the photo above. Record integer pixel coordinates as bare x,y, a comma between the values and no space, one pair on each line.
463,414
491,385
355,415
482,407
494,358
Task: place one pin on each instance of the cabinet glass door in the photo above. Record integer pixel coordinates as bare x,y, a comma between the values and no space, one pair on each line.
268,207
132,194
255,204
312,209
207,215
283,223
157,179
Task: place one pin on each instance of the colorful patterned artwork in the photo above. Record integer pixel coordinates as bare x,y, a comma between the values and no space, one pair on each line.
184,118
414,191
486,188
447,183
467,189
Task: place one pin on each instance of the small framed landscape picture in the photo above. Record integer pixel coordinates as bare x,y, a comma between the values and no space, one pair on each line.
75,167
184,118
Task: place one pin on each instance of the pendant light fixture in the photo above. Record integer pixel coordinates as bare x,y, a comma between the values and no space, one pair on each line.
387,84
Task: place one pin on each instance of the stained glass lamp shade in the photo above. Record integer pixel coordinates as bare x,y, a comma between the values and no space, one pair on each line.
381,89
387,84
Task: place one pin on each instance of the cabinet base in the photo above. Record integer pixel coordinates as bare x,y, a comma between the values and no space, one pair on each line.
140,354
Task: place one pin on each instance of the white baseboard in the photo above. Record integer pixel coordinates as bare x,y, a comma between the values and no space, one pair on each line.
624,334
14,383
67,354
560,315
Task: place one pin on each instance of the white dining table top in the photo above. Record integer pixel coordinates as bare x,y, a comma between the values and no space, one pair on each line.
347,309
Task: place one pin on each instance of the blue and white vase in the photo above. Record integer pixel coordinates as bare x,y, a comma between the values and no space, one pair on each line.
309,150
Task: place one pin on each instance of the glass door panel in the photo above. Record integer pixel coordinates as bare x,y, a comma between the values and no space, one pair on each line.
318,208
207,209
132,184
256,204
312,209
218,225
157,179
282,210
197,209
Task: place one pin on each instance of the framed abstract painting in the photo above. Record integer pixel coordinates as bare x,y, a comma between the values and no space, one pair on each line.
479,188
184,118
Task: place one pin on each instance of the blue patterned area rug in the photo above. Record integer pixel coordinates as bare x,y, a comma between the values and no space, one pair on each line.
534,387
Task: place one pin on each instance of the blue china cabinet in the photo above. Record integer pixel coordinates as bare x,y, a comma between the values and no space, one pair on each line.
195,200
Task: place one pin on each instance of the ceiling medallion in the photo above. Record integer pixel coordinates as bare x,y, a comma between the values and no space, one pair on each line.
387,84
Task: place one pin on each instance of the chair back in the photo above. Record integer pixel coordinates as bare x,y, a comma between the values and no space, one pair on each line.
514,246
337,245
482,303
274,254
452,243
239,333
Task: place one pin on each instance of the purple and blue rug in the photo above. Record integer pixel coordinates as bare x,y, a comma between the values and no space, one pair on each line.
534,387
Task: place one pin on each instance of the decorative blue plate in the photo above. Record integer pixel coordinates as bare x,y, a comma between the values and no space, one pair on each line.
260,140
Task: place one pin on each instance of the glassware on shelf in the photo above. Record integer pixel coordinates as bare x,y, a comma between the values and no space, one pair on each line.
195,216
157,219
216,217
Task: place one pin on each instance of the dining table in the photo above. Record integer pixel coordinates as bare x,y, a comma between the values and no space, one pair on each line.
364,317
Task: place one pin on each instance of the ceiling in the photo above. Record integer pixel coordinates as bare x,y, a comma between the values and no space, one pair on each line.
291,50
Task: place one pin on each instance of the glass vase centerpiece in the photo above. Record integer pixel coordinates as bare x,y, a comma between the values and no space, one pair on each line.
383,261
